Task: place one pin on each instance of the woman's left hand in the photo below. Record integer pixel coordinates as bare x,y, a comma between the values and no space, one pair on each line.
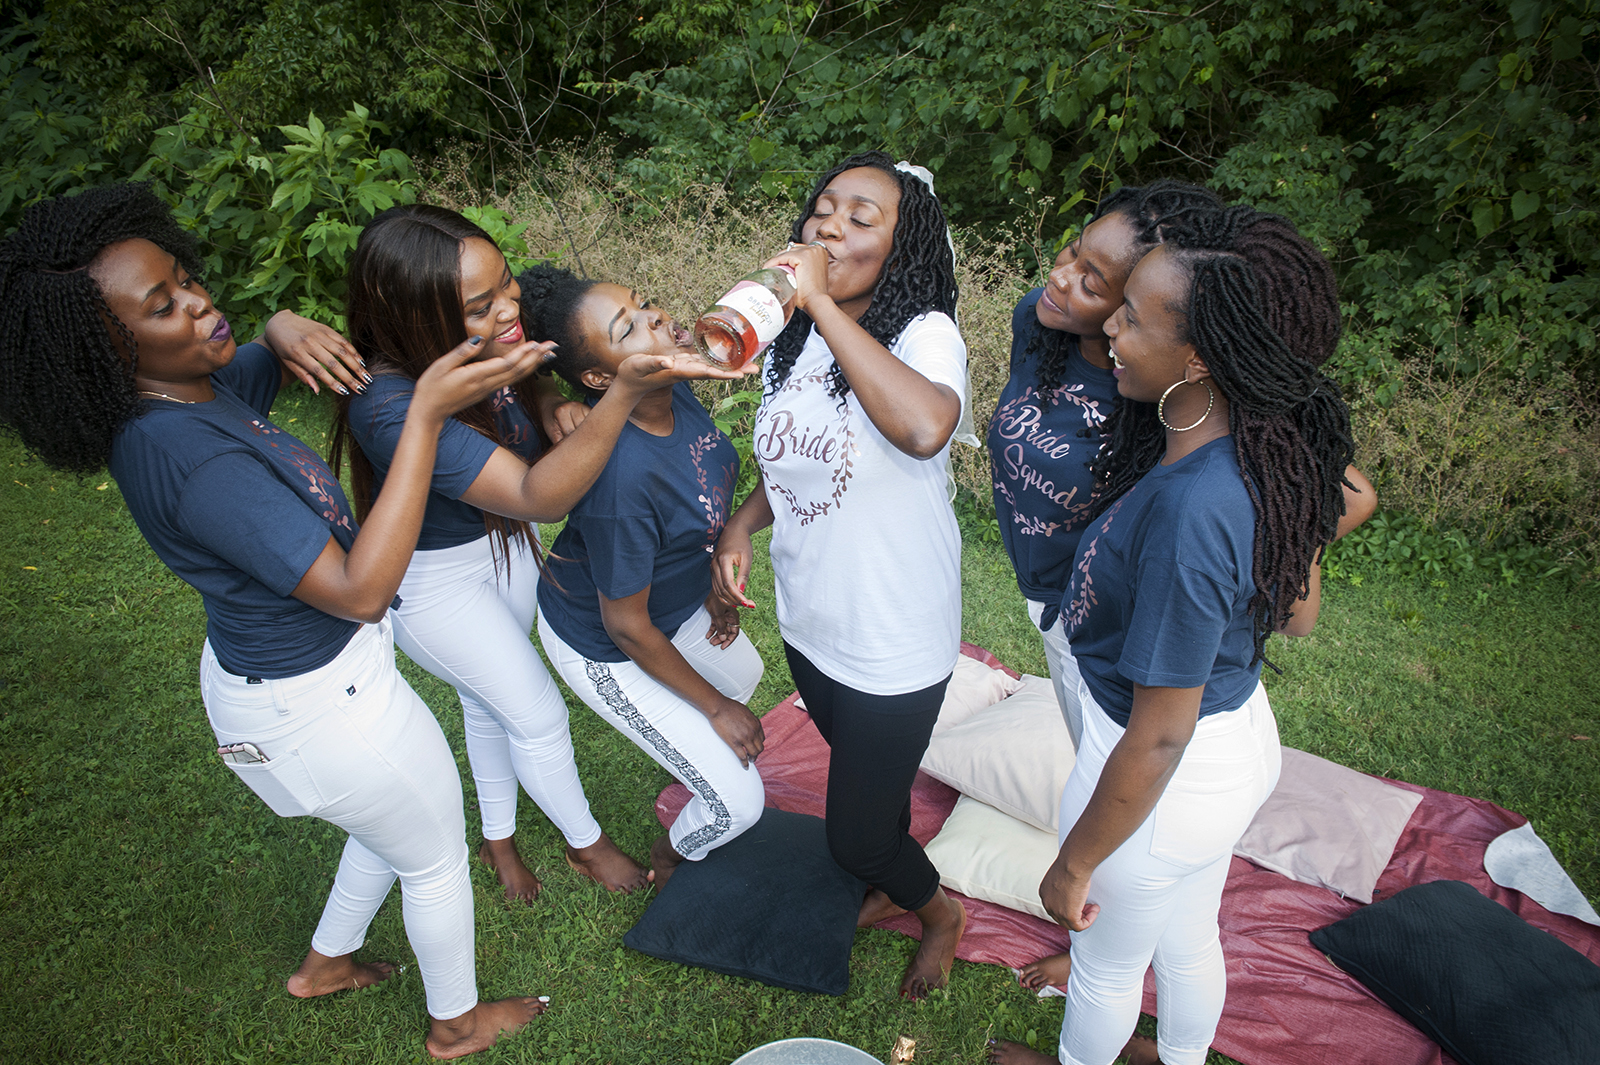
313,352
561,418
810,265
1066,896
724,622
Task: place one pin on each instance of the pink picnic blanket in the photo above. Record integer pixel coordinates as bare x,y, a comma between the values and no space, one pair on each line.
1286,1004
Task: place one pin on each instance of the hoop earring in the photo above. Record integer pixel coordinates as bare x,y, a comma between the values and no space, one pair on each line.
1161,416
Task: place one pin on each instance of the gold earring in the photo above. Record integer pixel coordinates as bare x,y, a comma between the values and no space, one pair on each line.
1211,400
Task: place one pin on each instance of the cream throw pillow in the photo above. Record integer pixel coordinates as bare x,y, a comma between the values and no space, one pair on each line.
984,854
973,687
1015,756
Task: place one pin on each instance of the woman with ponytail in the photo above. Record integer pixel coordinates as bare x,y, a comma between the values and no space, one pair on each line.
865,389
1221,480
626,612
1046,427
112,353
422,280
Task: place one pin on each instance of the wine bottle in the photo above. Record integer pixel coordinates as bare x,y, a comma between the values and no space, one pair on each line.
740,325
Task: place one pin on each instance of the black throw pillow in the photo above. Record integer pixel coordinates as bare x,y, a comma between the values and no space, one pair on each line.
1477,979
771,905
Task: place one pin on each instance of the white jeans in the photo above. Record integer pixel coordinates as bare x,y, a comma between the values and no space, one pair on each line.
726,797
352,744
1064,675
1160,891
469,626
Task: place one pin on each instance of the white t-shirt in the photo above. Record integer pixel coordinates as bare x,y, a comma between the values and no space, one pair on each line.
865,546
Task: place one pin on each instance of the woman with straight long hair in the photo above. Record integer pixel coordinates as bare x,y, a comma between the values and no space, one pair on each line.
422,280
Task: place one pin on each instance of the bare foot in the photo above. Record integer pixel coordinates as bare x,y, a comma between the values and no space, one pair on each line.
1046,972
943,920
876,907
1141,1050
663,860
1005,1052
481,1027
518,880
320,974
603,862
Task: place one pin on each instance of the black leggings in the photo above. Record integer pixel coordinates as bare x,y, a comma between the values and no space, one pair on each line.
876,743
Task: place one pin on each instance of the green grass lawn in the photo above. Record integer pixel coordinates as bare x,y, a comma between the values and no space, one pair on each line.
153,906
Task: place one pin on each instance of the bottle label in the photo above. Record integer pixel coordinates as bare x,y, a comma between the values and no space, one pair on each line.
760,308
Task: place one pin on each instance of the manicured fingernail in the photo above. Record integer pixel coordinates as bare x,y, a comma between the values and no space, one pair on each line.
474,342
367,376
362,389
343,391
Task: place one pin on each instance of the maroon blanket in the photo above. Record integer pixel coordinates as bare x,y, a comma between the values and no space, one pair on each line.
1286,1004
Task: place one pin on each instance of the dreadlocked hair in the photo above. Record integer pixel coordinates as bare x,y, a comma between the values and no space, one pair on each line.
402,312
919,275
551,298
1148,208
1263,314
65,387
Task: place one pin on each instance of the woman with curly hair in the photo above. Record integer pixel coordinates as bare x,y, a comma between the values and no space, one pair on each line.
626,612
422,280
112,353
865,387
1221,482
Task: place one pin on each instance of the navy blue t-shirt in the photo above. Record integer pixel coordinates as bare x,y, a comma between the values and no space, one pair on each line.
240,510
378,416
650,521
1040,447
1162,584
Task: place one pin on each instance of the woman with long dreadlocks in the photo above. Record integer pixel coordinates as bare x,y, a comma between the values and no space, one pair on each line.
1221,482
865,387
112,353
1046,426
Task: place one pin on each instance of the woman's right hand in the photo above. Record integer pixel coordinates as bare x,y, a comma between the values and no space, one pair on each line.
730,567
454,382
646,373
739,729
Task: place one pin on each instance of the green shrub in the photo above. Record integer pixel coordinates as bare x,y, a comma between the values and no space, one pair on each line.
277,226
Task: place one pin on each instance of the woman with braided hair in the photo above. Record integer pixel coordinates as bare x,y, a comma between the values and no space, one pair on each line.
865,387
1046,426
1221,481
422,279
112,353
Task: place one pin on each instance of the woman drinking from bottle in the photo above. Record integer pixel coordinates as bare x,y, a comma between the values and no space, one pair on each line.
865,387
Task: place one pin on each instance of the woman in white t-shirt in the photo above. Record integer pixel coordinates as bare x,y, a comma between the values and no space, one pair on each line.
865,387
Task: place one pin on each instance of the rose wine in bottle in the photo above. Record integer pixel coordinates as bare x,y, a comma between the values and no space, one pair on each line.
740,325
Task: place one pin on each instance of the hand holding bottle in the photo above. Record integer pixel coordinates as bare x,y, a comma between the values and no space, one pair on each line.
809,265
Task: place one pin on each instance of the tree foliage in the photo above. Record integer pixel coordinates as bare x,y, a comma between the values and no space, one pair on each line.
1443,154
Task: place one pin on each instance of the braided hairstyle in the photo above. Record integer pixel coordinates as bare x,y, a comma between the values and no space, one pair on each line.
919,274
551,297
1263,313
65,387
1148,208
402,312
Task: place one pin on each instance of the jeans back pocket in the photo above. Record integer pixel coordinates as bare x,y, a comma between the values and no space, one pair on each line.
283,783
